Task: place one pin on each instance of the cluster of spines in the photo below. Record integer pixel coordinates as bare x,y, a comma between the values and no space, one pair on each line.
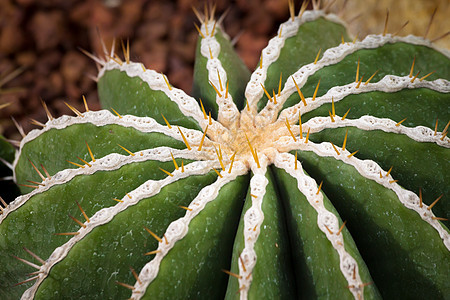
284,162
197,204
290,113
131,198
384,178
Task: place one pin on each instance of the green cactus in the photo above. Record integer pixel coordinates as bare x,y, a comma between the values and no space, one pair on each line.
7,186
7,151
274,184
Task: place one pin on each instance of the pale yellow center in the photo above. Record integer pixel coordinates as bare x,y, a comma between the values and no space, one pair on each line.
261,138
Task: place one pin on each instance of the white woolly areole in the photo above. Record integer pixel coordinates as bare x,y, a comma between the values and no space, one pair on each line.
389,84
308,187
187,104
156,81
228,112
104,117
270,54
330,57
418,133
178,229
371,170
148,189
109,162
253,218
317,124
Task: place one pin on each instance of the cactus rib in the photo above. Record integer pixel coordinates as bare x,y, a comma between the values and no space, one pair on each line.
178,229
146,190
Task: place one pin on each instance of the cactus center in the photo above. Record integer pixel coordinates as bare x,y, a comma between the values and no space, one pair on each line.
248,138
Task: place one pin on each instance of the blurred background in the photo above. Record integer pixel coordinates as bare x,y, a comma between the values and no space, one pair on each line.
40,41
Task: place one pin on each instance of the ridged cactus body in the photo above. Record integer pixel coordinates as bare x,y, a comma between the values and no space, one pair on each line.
8,188
315,176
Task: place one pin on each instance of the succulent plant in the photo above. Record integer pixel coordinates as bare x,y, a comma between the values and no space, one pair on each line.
318,175
8,188
7,151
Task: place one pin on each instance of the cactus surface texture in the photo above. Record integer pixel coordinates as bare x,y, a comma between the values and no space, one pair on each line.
319,175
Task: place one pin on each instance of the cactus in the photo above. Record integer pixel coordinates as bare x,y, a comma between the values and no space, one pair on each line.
7,152
318,175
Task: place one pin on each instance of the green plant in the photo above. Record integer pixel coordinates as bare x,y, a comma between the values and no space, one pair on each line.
8,188
238,194
7,151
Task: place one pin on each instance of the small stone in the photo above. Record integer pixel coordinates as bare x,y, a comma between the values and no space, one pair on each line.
48,29
73,65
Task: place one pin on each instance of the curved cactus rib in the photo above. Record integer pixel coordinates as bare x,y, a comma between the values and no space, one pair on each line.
406,103
219,74
389,56
134,133
218,78
104,117
261,230
292,32
146,190
252,220
344,269
217,201
368,123
388,84
317,125
109,162
343,60
94,188
126,234
411,160
305,38
116,79
371,170
7,153
130,89
369,197
261,264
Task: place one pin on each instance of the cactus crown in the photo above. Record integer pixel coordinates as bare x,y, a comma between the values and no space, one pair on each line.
241,190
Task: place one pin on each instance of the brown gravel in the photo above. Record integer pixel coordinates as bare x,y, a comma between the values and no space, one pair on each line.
44,36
